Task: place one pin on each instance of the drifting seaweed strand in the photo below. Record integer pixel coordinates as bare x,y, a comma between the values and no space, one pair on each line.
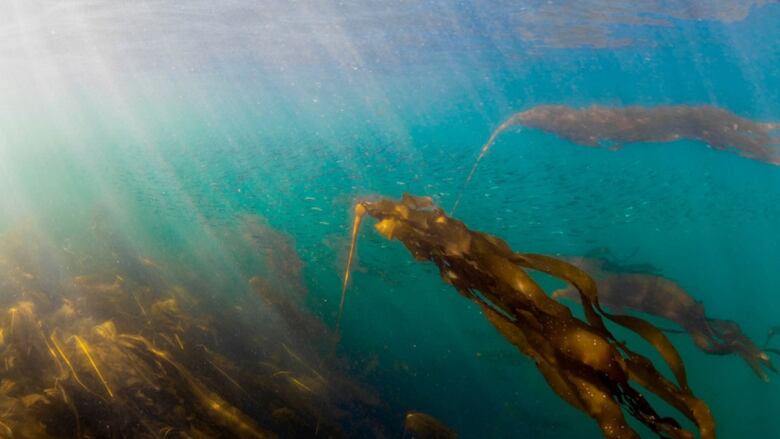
661,297
639,368
586,288
612,127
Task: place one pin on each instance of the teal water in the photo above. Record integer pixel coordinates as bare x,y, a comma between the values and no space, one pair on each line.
399,99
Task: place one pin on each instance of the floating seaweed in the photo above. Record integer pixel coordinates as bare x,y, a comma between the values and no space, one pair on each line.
580,359
661,297
599,126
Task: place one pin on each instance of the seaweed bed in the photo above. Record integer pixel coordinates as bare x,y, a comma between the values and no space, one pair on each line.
99,341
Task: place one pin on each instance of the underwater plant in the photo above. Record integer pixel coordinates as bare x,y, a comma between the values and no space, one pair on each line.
581,360
97,340
612,127
661,297
424,426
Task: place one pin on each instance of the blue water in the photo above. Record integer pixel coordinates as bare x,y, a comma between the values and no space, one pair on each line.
177,148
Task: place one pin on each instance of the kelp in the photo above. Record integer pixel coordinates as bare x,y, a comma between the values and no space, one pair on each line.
773,331
418,425
580,359
613,127
101,341
661,297
359,213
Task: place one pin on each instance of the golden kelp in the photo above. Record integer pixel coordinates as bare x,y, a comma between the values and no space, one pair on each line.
581,360
612,127
661,297
101,341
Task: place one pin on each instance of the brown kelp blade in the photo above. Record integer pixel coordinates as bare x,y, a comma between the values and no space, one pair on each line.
580,360
639,368
663,298
646,375
658,340
560,385
589,297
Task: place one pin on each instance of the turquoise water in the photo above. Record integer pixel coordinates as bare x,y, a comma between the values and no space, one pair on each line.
399,99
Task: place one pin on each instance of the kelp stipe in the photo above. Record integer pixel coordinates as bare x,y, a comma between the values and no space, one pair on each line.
482,153
360,211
